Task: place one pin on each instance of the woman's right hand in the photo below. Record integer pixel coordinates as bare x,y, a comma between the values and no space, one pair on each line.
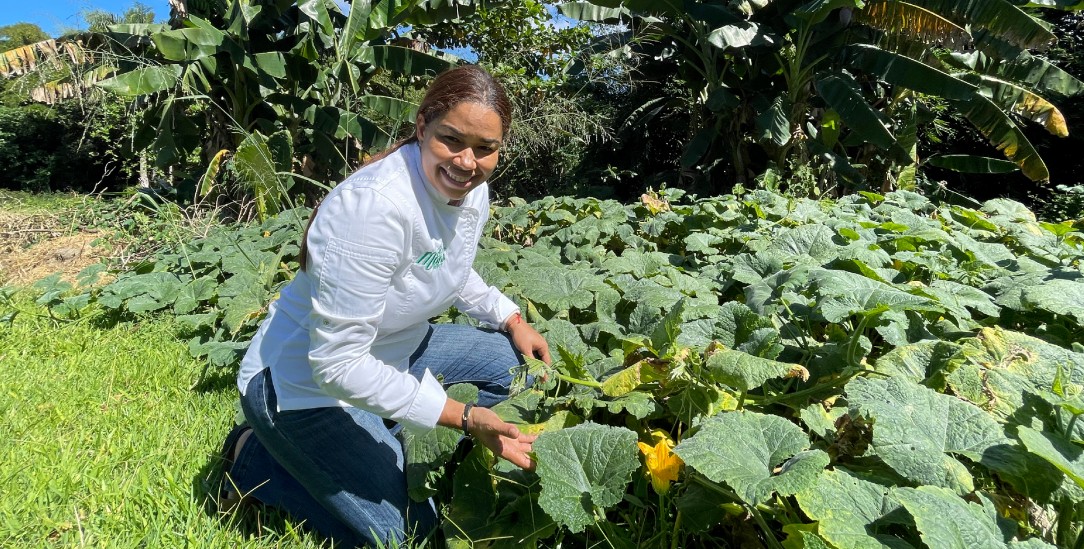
503,438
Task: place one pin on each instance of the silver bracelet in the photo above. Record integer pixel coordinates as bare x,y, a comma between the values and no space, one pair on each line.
466,416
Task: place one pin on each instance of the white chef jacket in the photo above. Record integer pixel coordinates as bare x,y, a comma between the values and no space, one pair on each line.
385,253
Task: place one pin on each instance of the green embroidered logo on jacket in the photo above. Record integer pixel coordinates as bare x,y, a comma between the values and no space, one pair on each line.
432,260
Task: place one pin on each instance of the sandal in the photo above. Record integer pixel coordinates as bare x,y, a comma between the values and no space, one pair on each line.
229,498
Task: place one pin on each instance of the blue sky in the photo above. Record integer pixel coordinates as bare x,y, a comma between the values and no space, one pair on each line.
55,16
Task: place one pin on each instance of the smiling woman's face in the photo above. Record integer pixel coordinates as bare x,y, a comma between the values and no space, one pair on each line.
460,149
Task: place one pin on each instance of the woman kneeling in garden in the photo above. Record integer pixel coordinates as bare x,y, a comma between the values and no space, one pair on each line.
346,354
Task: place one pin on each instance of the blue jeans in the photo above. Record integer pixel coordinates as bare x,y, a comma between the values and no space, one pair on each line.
340,470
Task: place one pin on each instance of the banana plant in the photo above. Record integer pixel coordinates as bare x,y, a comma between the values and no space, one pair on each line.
268,92
843,84
56,70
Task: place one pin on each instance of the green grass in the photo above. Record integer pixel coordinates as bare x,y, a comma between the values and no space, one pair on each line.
105,443
24,202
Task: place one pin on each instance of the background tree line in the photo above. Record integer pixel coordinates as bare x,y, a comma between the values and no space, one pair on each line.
962,98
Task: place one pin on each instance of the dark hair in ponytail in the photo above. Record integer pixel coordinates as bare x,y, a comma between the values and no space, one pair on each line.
463,84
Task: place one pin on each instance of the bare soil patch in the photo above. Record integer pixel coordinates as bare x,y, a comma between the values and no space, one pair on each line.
36,245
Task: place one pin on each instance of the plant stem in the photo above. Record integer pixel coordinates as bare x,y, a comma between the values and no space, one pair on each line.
674,534
577,381
852,346
772,541
810,391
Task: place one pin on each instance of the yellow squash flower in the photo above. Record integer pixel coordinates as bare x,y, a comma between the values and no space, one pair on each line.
662,464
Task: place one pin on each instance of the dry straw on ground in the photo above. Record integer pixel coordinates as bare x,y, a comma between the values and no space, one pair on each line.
34,245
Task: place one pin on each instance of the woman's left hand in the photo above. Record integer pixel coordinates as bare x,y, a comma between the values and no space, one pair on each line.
529,341
504,439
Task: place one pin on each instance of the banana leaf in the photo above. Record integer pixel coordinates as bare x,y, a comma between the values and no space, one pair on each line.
841,93
999,17
1004,134
904,71
1022,102
143,81
966,163
1038,73
586,11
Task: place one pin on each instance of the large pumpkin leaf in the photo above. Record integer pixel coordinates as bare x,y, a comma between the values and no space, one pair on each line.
474,499
559,288
998,369
744,371
916,430
1063,297
743,449
1060,452
958,298
243,299
851,513
193,294
842,294
806,243
946,520
584,469
916,361
142,293
735,324
494,508
427,451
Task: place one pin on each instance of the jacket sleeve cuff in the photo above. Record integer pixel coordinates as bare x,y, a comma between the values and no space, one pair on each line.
505,309
428,403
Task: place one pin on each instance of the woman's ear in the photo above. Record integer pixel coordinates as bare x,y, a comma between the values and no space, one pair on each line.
419,127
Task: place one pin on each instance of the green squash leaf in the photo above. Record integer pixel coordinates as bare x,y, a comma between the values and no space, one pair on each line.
999,370
916,430
584,469
427,451
851,513
842,294
946,520
917,361
1063,297
743,449
1060,452
743,371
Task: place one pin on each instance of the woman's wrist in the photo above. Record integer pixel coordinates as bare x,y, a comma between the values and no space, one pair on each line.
514,321
466,419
